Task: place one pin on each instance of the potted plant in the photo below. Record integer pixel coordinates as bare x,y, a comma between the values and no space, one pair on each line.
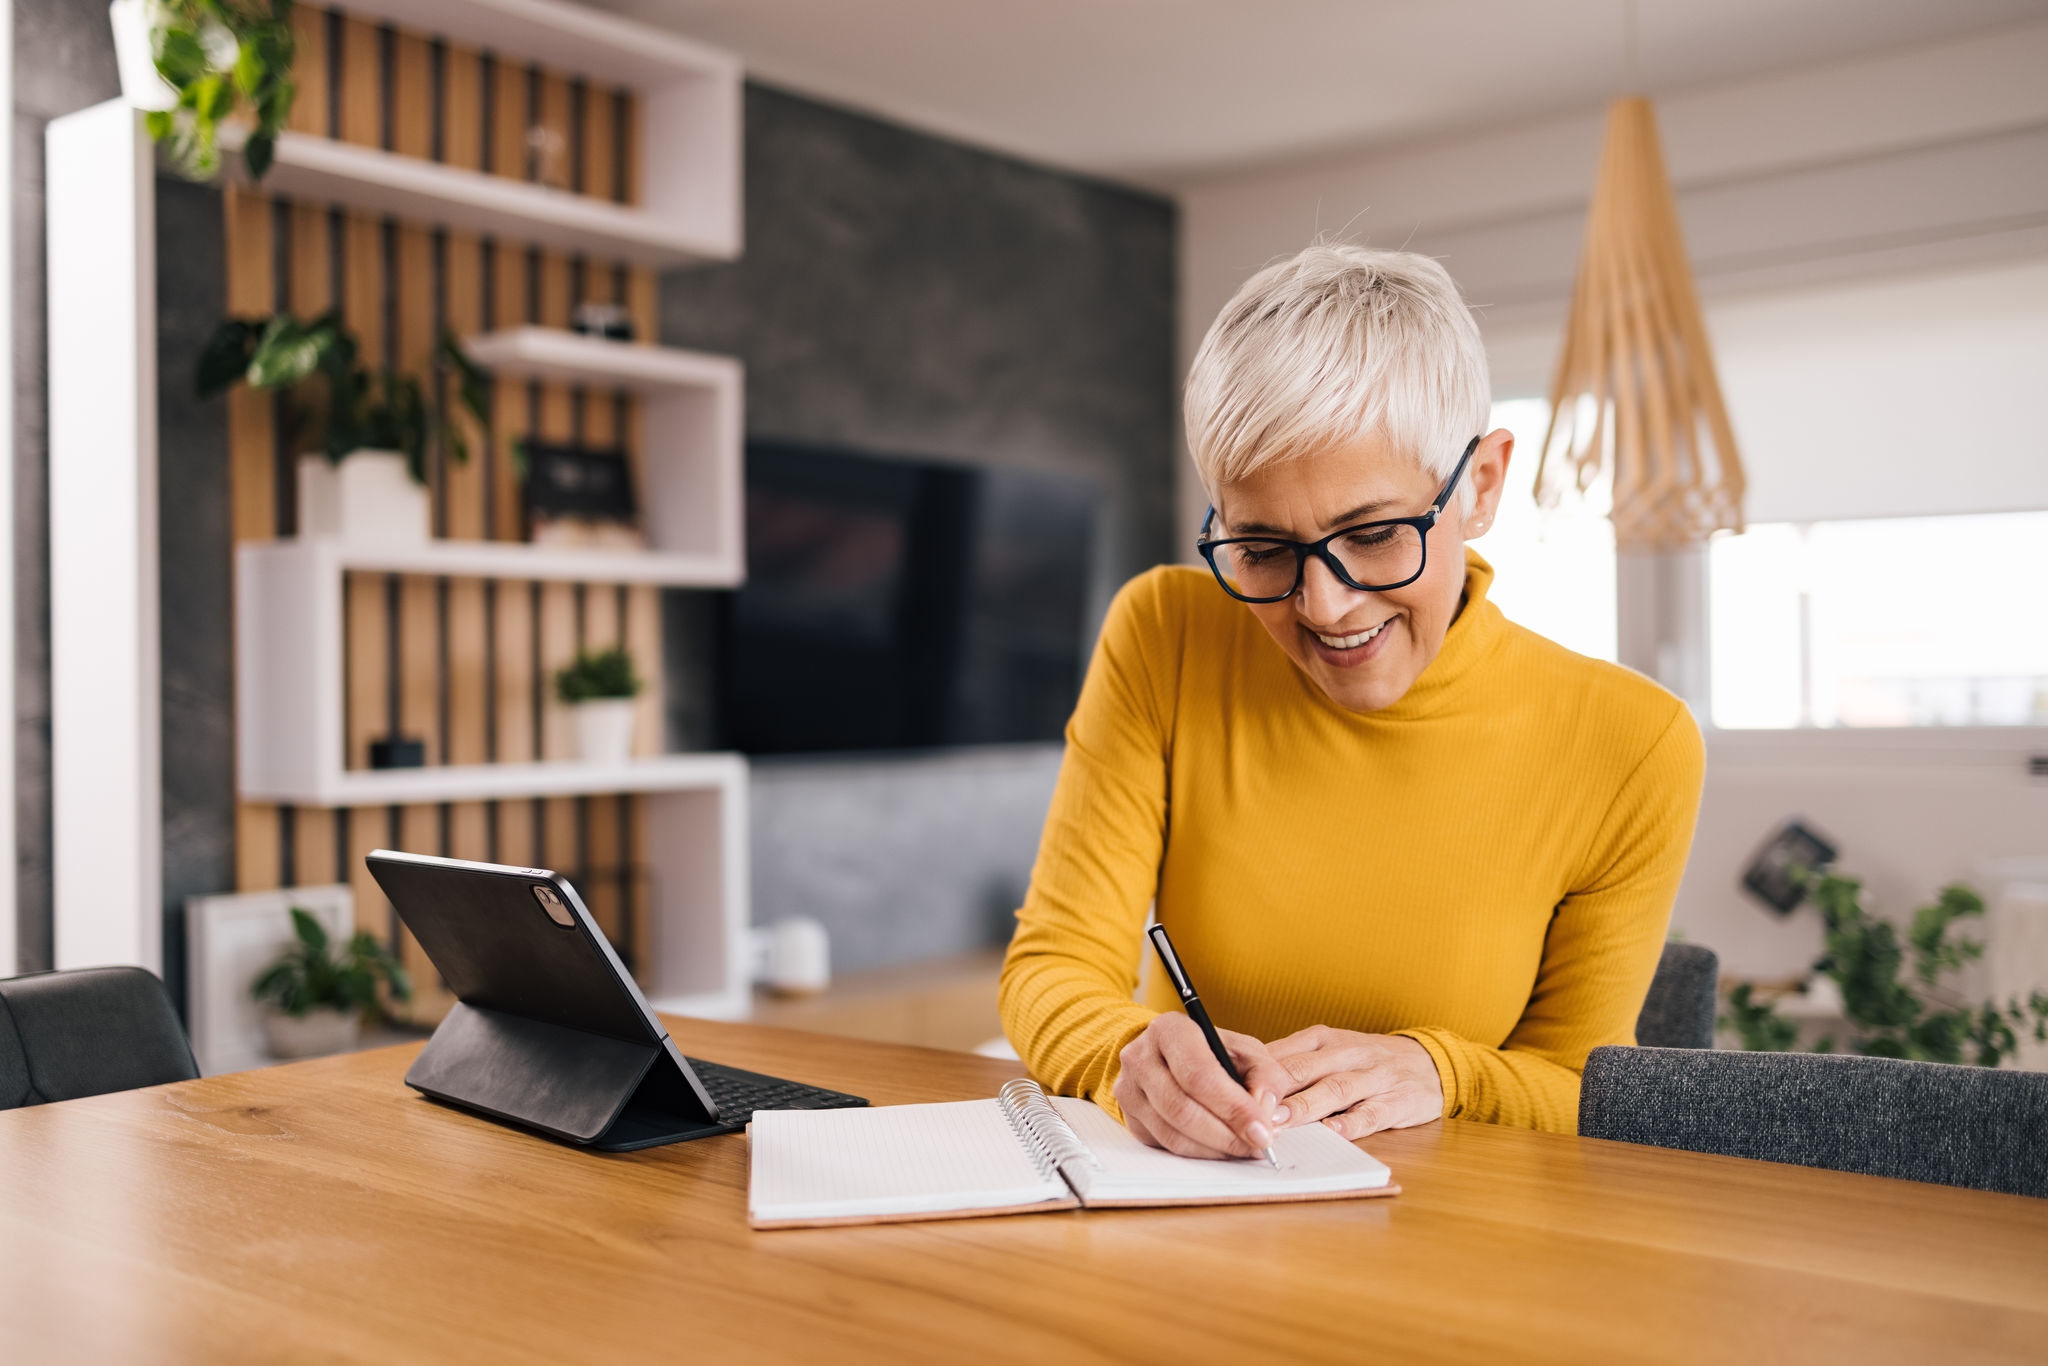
599,686
369,482
315,999
193,64
1890,1017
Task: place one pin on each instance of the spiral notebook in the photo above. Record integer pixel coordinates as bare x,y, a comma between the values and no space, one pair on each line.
1020,1153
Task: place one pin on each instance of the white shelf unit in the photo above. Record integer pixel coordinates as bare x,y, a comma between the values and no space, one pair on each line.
106,779
289,658
688,146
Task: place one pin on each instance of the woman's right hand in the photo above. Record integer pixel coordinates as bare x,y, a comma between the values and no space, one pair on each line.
1176,1096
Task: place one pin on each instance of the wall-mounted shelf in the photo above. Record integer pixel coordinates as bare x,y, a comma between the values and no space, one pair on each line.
322,170
551,354
500,560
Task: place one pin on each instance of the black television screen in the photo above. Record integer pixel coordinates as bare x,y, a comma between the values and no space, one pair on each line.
903,604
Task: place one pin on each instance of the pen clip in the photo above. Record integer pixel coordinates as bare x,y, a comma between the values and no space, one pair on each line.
1184,988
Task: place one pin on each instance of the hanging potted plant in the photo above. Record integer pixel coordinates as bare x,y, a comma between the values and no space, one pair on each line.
369,480
194,64
599,687
315,999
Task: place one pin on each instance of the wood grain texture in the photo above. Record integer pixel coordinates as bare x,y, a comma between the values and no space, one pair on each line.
321,1209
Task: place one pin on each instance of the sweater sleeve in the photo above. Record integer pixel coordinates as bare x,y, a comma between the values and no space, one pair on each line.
1598,956
1072,966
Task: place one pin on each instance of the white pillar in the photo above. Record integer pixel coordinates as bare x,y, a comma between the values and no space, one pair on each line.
1662,620
106,793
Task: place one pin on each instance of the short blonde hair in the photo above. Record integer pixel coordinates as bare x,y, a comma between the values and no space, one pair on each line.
1338,343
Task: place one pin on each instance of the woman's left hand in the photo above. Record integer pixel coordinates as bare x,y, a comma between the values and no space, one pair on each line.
1357,1083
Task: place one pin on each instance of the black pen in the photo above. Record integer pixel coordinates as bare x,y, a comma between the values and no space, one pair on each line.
1192,1004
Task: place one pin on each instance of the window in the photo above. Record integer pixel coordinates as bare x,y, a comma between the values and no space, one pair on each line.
1912,621
1553,570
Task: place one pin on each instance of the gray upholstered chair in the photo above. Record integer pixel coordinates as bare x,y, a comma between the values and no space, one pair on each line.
1921,1121
1679,1011
83,1033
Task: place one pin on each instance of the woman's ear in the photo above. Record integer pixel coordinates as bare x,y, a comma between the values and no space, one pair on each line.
1488,474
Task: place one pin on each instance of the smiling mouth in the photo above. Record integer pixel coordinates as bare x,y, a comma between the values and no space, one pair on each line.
1351,642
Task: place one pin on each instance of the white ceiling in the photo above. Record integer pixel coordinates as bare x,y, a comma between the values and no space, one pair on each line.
1162,91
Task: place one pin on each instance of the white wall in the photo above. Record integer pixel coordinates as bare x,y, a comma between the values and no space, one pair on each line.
1907,810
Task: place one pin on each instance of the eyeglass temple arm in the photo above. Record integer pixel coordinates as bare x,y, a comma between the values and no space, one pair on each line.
1443,497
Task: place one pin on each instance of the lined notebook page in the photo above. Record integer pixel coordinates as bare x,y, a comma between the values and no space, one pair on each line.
1313,1159
890,1161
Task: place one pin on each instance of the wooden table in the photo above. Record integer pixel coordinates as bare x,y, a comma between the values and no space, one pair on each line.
320,1211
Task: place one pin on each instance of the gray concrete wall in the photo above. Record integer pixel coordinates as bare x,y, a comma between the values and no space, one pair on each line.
63,61
912,296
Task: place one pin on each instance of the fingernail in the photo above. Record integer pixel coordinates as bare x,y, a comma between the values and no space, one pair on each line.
1280,1114
1260,1135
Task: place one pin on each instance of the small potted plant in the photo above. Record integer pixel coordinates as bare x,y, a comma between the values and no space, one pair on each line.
599,687
315,999
193,64
369,480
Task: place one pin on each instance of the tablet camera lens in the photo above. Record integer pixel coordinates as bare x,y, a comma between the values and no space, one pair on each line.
551,901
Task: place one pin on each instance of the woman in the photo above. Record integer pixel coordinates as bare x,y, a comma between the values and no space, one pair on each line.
1418,859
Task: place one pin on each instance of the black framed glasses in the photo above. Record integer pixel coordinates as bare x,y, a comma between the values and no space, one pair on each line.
1371,557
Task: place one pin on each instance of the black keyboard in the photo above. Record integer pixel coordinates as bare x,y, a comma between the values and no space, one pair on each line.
740,1093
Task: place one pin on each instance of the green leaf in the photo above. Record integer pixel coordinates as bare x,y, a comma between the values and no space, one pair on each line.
312,934
258,153
225,357
601,674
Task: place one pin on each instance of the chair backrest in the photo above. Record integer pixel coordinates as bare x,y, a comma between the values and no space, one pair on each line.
1679,1011
87,1032
1921,1121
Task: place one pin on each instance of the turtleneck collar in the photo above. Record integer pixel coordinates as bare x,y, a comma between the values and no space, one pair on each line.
1467,644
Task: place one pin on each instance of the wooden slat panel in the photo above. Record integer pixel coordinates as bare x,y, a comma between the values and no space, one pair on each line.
314,852
515,679
309,69
256,847
363,269
508,122
643,639
361,83
554,118
467,836
643,301
560,853
466,680
601,625
364,653
462,109
600,142
630,135
419,684
515,833
412,97
557,648
463,487
312,292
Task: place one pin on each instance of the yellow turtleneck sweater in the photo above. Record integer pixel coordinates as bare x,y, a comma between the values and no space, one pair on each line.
1487,866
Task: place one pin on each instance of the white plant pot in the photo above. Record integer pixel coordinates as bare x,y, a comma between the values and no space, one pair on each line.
368,496
604,730
312,1035
135,56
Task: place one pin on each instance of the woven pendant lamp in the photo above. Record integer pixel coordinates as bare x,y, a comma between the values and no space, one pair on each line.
1635,391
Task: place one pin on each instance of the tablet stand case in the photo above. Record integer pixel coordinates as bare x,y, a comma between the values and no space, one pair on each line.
588,1089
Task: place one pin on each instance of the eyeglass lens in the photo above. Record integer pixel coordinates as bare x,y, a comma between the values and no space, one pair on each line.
1373,555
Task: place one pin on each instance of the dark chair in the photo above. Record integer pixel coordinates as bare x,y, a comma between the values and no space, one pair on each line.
84,1033
1920,1121
1679,1011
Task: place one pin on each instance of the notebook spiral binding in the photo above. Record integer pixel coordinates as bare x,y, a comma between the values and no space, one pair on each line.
1042,1130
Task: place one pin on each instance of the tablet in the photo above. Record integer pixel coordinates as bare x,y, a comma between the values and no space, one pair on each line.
549,1031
